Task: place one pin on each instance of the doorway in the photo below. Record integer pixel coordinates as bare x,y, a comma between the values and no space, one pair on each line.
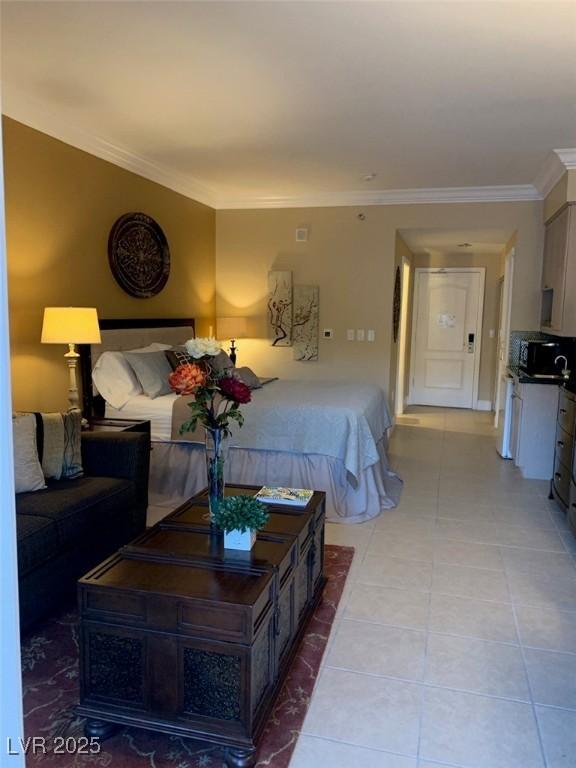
447,336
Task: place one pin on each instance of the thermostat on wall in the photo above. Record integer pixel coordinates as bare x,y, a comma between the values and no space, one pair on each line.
327,333
302,235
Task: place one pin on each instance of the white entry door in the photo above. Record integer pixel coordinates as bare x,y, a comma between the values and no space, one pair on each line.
447,324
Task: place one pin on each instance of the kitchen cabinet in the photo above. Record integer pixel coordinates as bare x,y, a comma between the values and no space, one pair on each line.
559,273
564,478
564,446
533,432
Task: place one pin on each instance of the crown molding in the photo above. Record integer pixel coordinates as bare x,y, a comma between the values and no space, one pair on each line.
555,166
567,158
516,193
37,115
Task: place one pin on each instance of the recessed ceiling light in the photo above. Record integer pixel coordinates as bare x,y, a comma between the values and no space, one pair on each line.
464,245
369,177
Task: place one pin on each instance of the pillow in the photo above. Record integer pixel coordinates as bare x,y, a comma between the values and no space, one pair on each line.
221,362
178,356
248,376
152,370
28,474
114,379
156,346
50,443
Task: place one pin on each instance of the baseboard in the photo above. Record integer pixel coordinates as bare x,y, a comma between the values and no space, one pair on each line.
483,405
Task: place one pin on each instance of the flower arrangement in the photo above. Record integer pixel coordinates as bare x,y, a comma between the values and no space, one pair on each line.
199,348
240,513
218,394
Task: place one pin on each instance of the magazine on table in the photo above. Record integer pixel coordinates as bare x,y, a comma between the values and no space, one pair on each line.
296,497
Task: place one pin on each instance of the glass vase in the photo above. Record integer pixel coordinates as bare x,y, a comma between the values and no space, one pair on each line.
217,447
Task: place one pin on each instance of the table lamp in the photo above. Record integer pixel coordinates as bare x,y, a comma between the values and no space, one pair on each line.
232,328
71,325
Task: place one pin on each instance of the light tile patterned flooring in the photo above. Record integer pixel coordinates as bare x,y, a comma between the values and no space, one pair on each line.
455,642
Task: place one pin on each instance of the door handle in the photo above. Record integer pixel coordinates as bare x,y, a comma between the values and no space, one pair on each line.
471,343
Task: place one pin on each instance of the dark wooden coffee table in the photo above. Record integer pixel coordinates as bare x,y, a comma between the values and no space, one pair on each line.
179,635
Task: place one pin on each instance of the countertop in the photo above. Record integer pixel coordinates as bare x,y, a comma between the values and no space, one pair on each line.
523,378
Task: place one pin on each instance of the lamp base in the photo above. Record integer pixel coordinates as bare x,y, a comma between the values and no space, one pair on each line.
232,353
72,359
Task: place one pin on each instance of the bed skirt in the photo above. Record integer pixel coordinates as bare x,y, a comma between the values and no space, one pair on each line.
178,471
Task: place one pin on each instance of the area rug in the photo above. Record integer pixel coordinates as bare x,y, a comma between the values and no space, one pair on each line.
50,682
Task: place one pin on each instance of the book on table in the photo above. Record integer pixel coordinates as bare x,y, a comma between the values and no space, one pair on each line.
297,497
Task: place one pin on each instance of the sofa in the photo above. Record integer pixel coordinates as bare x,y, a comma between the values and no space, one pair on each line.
71,525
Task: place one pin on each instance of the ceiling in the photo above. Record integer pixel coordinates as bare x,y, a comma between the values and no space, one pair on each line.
295,102
449,241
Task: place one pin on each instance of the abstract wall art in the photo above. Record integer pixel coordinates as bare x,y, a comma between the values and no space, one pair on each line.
280,307
305,322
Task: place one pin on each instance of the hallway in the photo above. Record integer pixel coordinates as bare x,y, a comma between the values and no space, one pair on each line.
455,641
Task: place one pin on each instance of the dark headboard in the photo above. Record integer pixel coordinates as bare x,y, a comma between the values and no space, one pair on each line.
135,336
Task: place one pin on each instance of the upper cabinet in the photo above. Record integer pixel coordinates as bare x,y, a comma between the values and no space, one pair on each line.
559,274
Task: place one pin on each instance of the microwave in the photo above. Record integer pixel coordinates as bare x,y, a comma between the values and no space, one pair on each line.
537,358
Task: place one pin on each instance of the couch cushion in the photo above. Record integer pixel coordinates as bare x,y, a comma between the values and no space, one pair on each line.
27,470
37,541
79,506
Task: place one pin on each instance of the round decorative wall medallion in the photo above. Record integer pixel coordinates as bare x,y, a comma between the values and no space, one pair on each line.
139,255
396,305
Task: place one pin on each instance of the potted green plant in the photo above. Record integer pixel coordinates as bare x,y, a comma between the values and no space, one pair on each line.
240,517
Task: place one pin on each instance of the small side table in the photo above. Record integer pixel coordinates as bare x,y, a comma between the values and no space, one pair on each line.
118,425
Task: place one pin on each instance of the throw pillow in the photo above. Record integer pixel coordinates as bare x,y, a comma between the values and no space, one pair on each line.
50,443
178,356
28,475
72,457
248,376
221,361
152,370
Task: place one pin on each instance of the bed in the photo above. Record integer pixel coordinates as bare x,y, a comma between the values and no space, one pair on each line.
327,436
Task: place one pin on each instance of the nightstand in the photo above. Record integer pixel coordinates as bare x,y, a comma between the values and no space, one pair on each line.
118,425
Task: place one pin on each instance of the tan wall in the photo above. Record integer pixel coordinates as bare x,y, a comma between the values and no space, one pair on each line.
571,186
564,191
491,315
353,263
60,206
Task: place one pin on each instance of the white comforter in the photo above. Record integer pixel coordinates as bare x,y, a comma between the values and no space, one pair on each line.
343,421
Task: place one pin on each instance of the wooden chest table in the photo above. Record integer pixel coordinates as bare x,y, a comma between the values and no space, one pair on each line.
179,635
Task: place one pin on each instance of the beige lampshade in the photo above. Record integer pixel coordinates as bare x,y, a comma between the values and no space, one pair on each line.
70,325
231,327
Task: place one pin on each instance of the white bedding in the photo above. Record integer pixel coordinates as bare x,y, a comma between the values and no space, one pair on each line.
341,421
157,411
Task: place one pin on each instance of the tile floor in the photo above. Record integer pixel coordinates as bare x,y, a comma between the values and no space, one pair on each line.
455,642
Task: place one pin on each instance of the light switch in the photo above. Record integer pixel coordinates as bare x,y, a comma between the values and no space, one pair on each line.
360,334
371,335
350,335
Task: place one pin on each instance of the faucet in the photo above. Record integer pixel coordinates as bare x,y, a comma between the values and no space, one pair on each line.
565,371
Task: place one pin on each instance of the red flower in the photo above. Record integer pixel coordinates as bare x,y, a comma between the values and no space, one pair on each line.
234,389
186,379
